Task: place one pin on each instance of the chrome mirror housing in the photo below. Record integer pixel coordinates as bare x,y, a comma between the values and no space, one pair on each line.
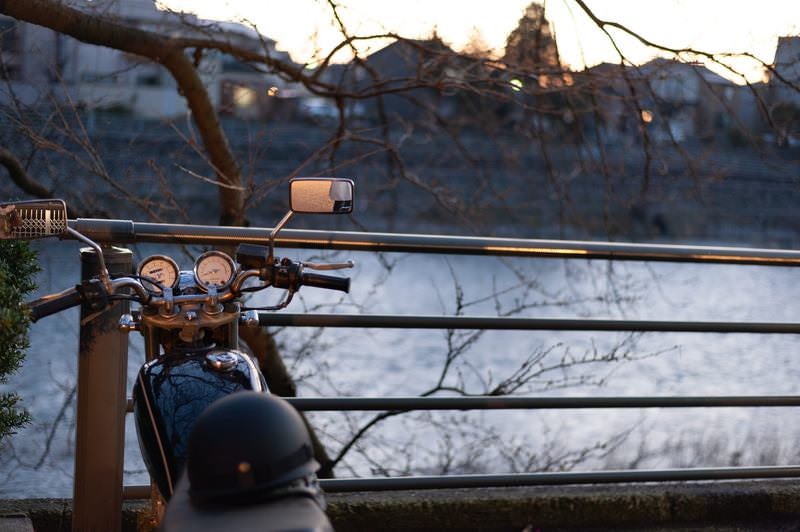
315,195
321,195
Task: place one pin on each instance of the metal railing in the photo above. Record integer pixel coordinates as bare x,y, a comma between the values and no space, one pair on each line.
127,232
123,232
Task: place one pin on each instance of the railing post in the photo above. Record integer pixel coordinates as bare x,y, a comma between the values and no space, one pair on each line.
102,401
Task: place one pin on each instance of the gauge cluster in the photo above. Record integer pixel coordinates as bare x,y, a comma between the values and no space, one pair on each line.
213,268
161,272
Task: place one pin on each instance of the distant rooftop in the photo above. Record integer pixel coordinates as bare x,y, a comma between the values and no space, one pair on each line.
661,66
148,12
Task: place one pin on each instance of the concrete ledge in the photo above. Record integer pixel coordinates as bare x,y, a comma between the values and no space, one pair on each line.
731,505
734,505
55,515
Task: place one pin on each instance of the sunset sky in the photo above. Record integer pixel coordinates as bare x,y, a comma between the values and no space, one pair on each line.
303,27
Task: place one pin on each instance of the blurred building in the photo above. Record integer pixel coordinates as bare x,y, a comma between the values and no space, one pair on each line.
417,76
786,71
40,62
675,100
687,99
784,91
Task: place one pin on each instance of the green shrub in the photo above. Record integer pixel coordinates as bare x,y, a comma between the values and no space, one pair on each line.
18,267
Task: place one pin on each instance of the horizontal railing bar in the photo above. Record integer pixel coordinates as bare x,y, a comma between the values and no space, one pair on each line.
320,404
536,479
549,479
400,321
126,231
136,492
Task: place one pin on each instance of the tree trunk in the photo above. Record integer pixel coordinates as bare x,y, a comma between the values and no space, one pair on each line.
95,29
281,383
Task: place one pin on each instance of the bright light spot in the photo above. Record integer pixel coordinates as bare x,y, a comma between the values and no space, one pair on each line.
516,85
272,91
244,96
647,116
544,81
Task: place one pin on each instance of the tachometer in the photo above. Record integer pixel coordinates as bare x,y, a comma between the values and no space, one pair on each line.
214,268
161,269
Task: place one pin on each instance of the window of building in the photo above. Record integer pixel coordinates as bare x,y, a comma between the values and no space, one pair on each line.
244,97
9,35
149,79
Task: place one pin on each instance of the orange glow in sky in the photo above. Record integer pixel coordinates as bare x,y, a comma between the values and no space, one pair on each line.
306,27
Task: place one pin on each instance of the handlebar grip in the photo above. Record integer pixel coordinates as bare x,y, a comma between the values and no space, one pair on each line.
43,307
330,282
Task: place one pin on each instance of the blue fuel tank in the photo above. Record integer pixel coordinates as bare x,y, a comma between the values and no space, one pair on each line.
170,394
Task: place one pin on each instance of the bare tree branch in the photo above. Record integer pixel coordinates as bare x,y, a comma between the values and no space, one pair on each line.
21,178
167,51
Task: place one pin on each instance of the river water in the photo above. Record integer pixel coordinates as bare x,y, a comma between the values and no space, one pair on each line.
39,460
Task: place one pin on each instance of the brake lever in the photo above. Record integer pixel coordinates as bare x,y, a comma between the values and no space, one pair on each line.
333,266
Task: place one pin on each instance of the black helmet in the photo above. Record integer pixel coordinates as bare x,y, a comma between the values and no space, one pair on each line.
250,445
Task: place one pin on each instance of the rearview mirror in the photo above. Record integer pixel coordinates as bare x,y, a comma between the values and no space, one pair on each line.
27,220
321,195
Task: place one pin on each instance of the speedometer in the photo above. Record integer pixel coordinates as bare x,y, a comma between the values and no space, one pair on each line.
159,269
214,268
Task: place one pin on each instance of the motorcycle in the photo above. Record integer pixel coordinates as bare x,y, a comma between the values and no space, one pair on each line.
249,454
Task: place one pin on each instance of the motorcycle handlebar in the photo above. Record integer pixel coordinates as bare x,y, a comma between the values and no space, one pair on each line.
95,294
326,281
48,305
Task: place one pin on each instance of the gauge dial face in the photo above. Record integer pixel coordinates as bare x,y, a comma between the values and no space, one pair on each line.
214,268
160,269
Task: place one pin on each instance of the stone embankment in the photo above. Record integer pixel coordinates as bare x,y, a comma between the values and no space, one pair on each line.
721,506
501,185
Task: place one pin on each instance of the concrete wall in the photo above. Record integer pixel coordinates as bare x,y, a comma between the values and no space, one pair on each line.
723,195
730,505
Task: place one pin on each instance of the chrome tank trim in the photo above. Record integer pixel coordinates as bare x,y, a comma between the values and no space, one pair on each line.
158,435
254,372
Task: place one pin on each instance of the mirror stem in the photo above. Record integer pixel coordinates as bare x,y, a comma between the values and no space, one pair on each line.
274,233
105,278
